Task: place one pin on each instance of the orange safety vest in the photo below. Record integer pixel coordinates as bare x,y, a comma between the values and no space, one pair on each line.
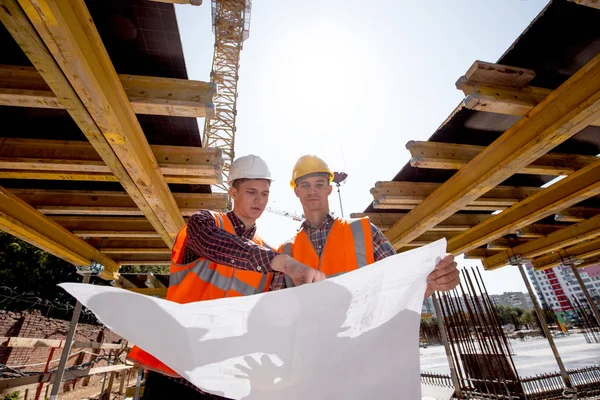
202,280
349,246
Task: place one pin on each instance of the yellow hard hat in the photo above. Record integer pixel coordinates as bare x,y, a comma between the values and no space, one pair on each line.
309,165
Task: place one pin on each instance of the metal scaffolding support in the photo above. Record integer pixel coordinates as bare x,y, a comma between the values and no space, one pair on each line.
231,25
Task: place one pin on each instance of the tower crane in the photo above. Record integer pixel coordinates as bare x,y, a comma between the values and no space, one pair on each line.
231,26
282,213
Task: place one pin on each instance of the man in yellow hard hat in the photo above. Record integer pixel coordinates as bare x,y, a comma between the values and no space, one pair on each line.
337,245
218,255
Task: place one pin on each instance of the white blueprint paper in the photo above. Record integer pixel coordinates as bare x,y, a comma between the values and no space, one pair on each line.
354,336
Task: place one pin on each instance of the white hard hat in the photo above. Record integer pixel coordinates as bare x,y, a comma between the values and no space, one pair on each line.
248,167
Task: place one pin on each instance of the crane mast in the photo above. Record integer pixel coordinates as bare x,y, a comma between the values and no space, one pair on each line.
231,25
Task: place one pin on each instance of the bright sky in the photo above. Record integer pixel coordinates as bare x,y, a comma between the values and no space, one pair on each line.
352,81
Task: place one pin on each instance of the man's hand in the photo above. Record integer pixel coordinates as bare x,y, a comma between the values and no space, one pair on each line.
444,277
299,272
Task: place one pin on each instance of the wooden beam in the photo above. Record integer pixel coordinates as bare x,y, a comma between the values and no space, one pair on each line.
576,214
74,223
23,221
116,234
407,195
539,230
479,254
581,252
144,262
57,344
25,87
590,3
69,375
503,100
27,38
456,222
503,244
497,74
78,202
573,106
117,243
167,156
568,236
160,292
148,251
77,48
452,156
153,282
575,188
142,259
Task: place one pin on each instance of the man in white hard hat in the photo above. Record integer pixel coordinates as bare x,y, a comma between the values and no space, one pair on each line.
336,245
219,255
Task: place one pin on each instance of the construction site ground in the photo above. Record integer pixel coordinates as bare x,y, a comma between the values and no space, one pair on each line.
531,356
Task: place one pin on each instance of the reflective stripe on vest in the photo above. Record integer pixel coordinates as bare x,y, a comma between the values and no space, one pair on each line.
202,280
357,230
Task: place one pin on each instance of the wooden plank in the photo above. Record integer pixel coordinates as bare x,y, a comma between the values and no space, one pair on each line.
160,292
69,375
573,106
554,241
407,195
28,39
141,259
589,3
213,177
109,203
146,251
23,221
499,100
479,254
539,230
504,244
115,234
497,74
575,188
75,150
25,87
153,282
56,343
77,48
69,160
452,156
95,223
456,222
192,2
582,252
576,214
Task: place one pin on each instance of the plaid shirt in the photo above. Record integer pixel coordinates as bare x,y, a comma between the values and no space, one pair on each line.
382,247
206,240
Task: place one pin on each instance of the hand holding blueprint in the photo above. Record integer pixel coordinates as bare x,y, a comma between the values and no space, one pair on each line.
354,336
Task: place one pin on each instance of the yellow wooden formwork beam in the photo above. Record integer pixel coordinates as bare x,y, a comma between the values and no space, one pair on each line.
71,160
481,72
577,187
571,235
25,87
539,230
570,108
153,282
579,253
590,3
161,292
479,254
21,220
434,155
34,48
576,214
407,195
66,29
456,222
96,202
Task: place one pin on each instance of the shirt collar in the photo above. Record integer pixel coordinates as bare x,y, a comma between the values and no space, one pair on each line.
327,218
239,227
